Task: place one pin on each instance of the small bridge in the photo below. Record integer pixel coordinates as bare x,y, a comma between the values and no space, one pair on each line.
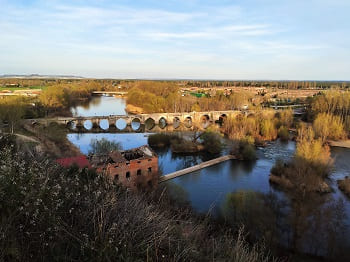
138,123
195,168
109,93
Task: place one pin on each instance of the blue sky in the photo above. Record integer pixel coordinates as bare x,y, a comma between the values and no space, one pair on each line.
250,39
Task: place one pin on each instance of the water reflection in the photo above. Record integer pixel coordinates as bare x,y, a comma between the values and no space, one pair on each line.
104,124
208,189
135,124
121,124
100,106
88,124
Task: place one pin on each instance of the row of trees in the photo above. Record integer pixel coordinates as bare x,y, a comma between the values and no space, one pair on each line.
269,84
165,97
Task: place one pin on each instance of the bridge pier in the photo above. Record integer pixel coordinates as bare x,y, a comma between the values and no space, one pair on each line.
95,123
161,120
112,122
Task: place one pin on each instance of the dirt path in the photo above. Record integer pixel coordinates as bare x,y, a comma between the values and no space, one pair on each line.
27,138
63,148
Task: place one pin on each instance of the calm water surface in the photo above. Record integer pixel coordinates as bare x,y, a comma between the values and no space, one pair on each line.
206,189
100,106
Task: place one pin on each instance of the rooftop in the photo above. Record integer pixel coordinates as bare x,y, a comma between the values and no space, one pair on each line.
141,152
80,161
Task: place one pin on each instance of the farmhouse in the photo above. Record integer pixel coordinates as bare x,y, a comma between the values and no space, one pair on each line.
136,168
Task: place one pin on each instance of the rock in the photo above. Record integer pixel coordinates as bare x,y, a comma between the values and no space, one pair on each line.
344,185
281,181
324,188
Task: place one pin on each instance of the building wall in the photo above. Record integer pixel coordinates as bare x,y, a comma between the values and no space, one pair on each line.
136,174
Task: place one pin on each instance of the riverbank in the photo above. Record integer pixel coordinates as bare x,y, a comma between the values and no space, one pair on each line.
51,140
341,143
131,109
344,185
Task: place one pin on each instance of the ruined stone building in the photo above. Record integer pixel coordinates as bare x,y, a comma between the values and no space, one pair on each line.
136,168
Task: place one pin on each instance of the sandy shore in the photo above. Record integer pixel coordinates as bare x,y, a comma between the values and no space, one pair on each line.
341,143
134,109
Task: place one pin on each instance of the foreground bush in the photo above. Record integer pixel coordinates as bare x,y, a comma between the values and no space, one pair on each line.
52,214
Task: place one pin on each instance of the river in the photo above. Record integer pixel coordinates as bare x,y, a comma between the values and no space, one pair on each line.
206,190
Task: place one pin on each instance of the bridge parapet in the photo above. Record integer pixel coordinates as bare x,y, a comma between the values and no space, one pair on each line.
187,119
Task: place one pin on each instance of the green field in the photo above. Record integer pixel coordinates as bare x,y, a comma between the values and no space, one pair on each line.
22,88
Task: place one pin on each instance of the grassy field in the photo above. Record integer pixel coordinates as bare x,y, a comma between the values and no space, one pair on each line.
22,88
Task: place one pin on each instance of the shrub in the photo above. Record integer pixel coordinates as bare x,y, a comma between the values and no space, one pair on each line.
286,118
161,139
278,168
312,151
328,126
212,142
283,133
268,130
78,215
244,149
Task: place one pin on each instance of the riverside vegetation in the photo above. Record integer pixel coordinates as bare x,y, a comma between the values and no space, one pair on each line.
210,142
309,217
78,215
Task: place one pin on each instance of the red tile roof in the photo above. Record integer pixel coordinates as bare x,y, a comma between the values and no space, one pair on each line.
81,161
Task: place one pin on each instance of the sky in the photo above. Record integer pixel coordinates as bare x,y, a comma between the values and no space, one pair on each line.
183,39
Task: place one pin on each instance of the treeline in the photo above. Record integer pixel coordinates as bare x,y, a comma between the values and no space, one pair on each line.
165,97
78,215
269,84
44,82
24,82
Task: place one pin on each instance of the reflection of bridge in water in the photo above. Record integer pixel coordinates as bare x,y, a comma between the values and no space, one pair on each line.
139,123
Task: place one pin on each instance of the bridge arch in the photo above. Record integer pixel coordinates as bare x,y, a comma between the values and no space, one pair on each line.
88,124
188,121
150,123
121,124
222,119
104,124
136,124
71,125
205,120
162,122
176,122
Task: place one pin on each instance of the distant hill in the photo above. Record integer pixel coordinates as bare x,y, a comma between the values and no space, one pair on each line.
42,76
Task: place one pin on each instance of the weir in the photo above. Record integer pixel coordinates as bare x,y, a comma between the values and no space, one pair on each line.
195,168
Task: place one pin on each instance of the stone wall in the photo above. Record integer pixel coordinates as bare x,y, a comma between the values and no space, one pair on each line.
136,174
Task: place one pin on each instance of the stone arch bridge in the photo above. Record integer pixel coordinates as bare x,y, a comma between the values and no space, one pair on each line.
140,122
